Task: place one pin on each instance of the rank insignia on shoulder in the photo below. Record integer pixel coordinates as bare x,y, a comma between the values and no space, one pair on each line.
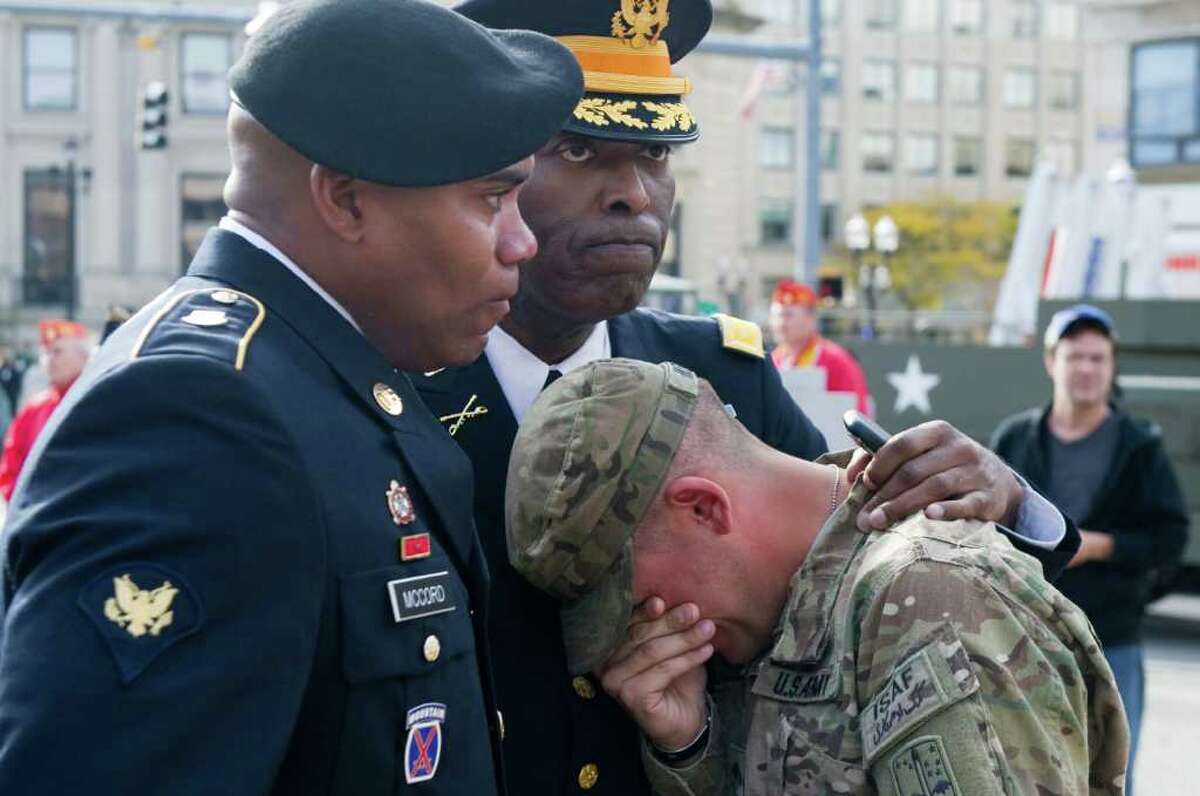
400,504
740,335
415,546
140,610
423,749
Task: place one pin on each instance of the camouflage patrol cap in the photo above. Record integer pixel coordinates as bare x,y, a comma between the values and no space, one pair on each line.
588,460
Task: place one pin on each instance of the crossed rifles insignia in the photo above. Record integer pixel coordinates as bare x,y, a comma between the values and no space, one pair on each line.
468,412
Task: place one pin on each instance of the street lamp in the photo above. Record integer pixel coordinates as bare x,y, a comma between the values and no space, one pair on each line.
857,236
887,240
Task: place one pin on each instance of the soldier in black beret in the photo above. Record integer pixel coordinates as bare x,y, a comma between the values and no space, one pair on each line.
599,202
241,559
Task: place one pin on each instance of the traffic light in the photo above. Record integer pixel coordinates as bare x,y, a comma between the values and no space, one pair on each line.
154,116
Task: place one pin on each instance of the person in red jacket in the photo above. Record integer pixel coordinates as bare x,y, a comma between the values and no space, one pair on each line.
65,349
794,326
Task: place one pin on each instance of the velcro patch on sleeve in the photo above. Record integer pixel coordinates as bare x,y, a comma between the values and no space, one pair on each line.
920,686
740,335
924,767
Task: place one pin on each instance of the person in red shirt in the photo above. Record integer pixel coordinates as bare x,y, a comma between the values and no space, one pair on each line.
65,349
794,326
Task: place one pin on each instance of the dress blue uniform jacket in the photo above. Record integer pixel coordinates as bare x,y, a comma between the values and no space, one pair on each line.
557,725
203,591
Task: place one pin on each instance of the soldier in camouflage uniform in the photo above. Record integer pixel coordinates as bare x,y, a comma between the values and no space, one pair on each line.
932,659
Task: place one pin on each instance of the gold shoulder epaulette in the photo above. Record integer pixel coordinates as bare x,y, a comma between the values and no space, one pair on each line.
217,322
741,335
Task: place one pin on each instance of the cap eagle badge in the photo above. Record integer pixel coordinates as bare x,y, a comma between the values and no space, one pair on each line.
640,22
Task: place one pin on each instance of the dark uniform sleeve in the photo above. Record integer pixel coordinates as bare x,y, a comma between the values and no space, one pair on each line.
163,576
788,429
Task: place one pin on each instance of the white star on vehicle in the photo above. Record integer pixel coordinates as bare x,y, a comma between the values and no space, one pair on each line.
913,386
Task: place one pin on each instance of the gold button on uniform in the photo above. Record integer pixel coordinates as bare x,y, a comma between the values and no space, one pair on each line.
387,399
583,687
500,724
432,649
588,776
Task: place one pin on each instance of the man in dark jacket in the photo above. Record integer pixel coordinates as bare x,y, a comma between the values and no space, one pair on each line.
1108,472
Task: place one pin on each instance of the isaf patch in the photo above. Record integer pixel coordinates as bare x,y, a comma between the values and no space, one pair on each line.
922,768
918,687
140,610
423,749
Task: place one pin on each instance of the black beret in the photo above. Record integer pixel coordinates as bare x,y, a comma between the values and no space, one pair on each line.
626,48
403,92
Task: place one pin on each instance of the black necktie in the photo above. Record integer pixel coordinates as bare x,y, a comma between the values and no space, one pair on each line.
552,377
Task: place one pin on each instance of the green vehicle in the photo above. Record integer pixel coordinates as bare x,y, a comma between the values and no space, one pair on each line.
974,387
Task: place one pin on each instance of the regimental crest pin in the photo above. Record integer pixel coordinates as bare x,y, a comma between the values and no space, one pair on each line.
423,749
400,504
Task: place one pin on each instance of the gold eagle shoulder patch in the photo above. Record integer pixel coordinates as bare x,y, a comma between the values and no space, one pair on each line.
741,335
140,610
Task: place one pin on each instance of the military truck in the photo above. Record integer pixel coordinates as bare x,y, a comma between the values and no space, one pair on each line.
974,387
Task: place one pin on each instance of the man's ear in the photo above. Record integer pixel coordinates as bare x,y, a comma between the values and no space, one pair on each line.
704,502
1048,361
336,201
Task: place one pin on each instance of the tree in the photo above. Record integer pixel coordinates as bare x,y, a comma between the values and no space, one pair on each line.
946,244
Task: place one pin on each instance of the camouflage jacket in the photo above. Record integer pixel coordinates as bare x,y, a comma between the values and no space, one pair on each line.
932,659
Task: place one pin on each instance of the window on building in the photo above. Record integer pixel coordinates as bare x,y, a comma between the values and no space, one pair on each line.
966,17
921,83
201,207
831,13
1023,14
880,14
1165,112
1020,87
204,60
921,154
775,148
923,15
775,222
51,69
968,156
1063,91
879,152
829,222
48,273
1018,157
1062,21
831,144
966,85
831,76
879,80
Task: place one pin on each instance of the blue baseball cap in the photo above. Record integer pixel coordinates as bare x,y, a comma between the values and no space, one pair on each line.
1066,320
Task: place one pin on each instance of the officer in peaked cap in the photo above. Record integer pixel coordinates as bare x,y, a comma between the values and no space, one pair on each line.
239,559
600,202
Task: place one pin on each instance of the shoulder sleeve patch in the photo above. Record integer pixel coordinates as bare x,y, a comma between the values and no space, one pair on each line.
741,335
933,678
140,610
217,322
924,767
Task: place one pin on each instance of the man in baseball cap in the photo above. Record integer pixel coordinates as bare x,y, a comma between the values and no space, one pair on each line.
871,658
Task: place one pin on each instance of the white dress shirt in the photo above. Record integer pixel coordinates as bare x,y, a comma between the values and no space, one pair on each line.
259,242
522,374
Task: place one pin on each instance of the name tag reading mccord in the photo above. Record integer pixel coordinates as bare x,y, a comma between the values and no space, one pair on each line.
420,596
